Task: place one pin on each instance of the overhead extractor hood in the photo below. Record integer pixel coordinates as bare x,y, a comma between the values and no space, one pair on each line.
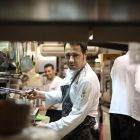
58,50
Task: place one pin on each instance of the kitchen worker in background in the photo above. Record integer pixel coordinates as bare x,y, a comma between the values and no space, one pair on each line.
52,83
125,103
79,94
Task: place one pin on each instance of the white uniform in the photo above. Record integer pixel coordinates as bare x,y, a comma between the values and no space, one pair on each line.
126,88
53,85
82,105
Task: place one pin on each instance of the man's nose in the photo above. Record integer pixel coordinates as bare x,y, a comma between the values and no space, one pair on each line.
71,59
46,73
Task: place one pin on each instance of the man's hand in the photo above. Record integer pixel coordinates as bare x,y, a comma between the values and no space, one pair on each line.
41,124
41,107
32,94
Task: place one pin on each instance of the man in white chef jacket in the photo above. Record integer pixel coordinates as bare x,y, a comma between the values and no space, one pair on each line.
52,83
125,103
79,94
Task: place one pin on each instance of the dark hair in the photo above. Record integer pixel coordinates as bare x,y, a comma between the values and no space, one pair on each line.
49,65
81,44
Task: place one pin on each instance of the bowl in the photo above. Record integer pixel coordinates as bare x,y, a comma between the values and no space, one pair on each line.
15,116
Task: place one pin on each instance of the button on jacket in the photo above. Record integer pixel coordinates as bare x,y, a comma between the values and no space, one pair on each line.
126,88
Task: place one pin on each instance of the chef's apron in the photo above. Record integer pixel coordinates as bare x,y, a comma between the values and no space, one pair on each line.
84,131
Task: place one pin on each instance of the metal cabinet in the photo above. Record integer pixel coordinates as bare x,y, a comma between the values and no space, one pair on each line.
106,82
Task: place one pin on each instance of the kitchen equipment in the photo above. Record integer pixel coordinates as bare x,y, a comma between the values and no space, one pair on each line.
16,75
1,58
37,102
4,94
26,64
12,94
4,65
14,63
4,82
106,82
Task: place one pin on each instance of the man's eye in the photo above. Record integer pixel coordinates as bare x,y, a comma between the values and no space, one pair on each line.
67,55
75,55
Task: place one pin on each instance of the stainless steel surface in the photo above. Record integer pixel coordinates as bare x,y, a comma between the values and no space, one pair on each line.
5,82
26,64
106,82
14,63
10,78
33,113
12,90
37,102
4,73
11,82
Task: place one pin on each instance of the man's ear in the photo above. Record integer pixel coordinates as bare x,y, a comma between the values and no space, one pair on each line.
86,53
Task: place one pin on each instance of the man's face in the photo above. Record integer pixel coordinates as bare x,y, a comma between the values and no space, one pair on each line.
50,73
75,59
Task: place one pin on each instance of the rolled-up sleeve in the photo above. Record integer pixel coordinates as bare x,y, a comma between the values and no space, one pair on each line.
86,95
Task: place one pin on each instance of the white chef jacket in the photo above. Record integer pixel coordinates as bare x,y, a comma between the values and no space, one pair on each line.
126,88
53,85
82,106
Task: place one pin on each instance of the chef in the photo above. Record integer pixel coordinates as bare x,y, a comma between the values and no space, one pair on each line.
79,94
125,104
52,83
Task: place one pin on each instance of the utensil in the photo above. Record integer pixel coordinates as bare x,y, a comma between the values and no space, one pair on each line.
14,63
26,64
